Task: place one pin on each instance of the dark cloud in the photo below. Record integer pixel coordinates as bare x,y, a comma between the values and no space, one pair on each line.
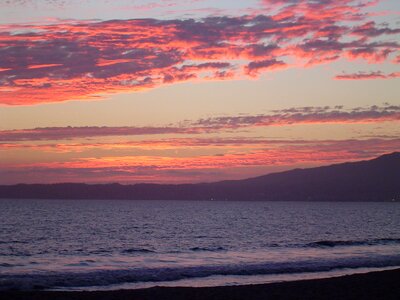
370,29
307,115
255,67
291,116
84,59
367,75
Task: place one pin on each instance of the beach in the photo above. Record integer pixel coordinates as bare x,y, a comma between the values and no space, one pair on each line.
374,285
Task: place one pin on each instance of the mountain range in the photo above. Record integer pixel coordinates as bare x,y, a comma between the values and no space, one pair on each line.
371,180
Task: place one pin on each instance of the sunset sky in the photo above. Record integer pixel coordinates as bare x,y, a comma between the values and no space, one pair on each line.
176,91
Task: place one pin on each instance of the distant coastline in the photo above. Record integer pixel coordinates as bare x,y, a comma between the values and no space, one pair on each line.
372,180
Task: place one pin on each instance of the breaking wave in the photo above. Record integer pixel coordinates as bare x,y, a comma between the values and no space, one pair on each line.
113,277
370,242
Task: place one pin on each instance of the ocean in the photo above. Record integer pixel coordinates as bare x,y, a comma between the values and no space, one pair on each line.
104,244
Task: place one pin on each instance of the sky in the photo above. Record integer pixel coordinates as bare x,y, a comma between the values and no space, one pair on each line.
181,91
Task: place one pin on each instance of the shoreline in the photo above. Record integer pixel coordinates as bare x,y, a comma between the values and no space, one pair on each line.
372,285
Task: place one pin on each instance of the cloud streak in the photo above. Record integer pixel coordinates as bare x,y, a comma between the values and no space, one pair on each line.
367,75
234,165
285,117
308,115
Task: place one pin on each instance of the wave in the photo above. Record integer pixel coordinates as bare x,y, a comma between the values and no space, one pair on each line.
15,253
7,265
97,251
137,250
210,249
112,277
14,242
18,252
370,242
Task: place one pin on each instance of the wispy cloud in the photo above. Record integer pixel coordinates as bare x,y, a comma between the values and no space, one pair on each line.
284,117
368,75
240,164
308,115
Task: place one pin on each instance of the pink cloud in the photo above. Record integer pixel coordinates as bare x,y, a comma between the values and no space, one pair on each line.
234,165
86,60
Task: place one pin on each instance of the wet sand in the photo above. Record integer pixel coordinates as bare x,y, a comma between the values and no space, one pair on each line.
384,285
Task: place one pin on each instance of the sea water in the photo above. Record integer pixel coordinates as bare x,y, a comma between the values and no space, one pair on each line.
108,244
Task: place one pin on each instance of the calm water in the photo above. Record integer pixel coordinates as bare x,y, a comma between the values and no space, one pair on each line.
113,244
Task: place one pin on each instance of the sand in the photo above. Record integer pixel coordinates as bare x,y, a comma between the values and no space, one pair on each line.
384,285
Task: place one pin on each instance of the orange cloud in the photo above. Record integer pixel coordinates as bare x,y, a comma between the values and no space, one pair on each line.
161,168
87,60
43,66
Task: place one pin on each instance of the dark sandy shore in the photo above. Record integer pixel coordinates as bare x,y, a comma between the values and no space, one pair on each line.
383,285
